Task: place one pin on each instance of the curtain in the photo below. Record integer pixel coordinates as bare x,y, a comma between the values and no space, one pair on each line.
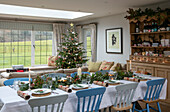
93,29
79,31
58,30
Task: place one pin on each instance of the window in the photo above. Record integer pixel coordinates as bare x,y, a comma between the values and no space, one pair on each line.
43,47
24,47
87,43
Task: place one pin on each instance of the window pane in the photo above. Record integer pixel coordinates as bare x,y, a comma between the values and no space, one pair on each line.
43,47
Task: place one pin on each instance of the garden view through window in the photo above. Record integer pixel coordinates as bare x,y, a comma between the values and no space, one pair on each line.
15,47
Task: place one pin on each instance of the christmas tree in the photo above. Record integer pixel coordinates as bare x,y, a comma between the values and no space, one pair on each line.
71,52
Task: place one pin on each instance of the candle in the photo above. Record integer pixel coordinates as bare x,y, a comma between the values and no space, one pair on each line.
79,71
130,64
29,79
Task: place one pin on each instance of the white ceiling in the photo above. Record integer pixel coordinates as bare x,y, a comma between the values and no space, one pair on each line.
100,8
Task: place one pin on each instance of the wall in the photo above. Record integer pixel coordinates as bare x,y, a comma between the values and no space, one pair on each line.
106,23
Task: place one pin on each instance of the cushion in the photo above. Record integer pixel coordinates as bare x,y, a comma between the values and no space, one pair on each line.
106,65
94,66
4,75
116,66
84,69
71,70
52,60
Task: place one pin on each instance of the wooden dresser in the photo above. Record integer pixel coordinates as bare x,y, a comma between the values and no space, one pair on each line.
158,70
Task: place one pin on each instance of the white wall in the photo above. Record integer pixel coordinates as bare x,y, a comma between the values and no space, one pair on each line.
111,22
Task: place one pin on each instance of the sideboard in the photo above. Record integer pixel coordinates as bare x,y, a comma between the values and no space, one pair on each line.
156,69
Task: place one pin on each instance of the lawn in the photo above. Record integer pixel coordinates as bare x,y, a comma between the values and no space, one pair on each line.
17,53
21,53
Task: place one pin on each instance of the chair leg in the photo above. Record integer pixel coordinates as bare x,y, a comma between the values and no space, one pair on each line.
104,109
130,110
147,106
110,109
133,107
159,108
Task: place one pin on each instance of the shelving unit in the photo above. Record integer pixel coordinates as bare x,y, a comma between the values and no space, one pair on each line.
157,64
138,39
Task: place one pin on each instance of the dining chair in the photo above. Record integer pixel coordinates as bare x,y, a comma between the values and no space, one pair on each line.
1,104
153,91
11,81
47,101
73,74
103,71
93,96
123,97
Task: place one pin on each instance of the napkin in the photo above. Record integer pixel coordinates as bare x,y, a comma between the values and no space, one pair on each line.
101,83
65,88
23,95
132,79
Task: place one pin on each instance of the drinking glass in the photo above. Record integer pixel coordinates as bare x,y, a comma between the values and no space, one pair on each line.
50,83
15,84
88,80
45,86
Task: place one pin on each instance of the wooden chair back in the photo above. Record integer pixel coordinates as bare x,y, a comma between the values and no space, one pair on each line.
124,95
94,97
154,88
46,101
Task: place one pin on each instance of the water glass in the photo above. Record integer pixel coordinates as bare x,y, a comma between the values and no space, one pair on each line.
88,80
15,83
84,81
45,86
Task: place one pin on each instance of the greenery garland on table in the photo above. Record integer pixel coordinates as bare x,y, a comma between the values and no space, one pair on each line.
39,81
99,77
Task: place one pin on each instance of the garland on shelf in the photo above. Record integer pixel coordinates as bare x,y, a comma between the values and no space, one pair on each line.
148,14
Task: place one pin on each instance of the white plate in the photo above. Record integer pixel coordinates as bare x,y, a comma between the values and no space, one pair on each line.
36,91
83,86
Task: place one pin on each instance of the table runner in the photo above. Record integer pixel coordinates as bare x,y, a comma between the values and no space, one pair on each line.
12,102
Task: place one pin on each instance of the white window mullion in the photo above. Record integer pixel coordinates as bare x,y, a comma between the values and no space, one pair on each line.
32,48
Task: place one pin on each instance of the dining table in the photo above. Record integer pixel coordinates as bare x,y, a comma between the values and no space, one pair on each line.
11,102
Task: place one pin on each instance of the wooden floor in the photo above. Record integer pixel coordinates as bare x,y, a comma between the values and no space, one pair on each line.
165,107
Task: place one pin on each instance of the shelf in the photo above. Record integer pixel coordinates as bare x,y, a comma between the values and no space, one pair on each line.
150,33
150,56
149,47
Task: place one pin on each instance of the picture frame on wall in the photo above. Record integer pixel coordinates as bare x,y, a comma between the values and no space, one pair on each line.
114,40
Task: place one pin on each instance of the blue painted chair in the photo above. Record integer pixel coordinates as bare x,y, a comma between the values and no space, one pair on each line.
94,97
103,71
11,81
73,74
54,75
153,91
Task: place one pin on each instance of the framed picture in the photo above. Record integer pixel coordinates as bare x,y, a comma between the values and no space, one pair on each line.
114,41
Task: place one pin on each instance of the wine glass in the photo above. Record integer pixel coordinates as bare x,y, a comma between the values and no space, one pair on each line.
50,82
15,84
88,80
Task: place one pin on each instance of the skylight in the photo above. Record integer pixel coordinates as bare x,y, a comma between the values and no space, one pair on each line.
40,12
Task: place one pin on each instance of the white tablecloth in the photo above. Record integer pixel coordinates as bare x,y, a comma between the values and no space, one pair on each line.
14,103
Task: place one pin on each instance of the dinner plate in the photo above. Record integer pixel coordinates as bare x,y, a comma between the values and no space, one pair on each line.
41,91
80,86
